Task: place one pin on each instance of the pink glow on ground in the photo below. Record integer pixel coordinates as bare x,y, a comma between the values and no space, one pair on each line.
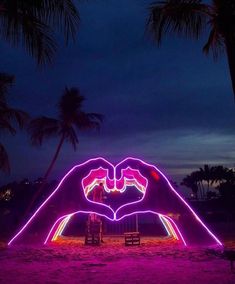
154,261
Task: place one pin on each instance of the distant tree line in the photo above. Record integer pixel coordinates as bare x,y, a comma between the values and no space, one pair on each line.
14,200
210,182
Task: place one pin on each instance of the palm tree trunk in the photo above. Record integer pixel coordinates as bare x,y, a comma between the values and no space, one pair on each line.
208,187
203,189
39,191
54,159
200,190
230,47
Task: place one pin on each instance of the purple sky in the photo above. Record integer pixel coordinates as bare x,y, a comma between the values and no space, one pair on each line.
171,106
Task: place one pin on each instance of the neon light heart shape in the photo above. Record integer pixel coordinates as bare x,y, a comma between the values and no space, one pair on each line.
159,198
129,178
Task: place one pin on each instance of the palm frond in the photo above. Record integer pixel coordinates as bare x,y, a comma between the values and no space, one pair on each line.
70,117
71,136
6,81
8,115
6,125
14,115
214,44
32,24
86,121
70,103
21,117
42,128
4,161
62,14
183,17
26,30
99,118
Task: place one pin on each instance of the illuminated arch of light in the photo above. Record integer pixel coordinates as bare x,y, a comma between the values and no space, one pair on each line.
60,225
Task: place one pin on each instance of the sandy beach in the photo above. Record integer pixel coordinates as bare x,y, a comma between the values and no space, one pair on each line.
154,261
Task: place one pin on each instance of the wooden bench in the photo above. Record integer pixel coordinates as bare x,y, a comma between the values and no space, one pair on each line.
132,238
230,256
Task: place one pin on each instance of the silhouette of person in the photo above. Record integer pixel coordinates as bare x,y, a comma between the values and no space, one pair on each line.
98,196
98,193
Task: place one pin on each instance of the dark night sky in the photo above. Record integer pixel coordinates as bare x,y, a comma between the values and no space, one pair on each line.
171,106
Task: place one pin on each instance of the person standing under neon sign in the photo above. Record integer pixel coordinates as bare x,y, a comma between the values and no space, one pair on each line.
98,196
98,193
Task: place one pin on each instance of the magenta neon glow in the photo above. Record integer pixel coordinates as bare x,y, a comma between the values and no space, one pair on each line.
169,229
159,197
129,177
56,231
62,222
174,230
61,227
165,225
50,196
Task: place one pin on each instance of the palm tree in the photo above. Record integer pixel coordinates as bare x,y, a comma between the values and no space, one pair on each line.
194,181
191,18
33,25
190,182
223,177
207,175
8,117
70,118
220,174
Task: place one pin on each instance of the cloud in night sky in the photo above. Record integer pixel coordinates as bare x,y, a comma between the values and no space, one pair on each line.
171,105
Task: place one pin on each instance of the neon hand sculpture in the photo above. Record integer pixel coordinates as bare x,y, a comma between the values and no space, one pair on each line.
67,199
161,198
158,197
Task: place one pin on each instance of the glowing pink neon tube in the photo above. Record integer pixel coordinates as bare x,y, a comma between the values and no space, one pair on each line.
159,197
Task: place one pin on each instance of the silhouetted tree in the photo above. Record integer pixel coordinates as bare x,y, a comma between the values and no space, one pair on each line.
8,118
227,191
71,118
191,18
190,182
220,175
34,24
206,175
226,186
